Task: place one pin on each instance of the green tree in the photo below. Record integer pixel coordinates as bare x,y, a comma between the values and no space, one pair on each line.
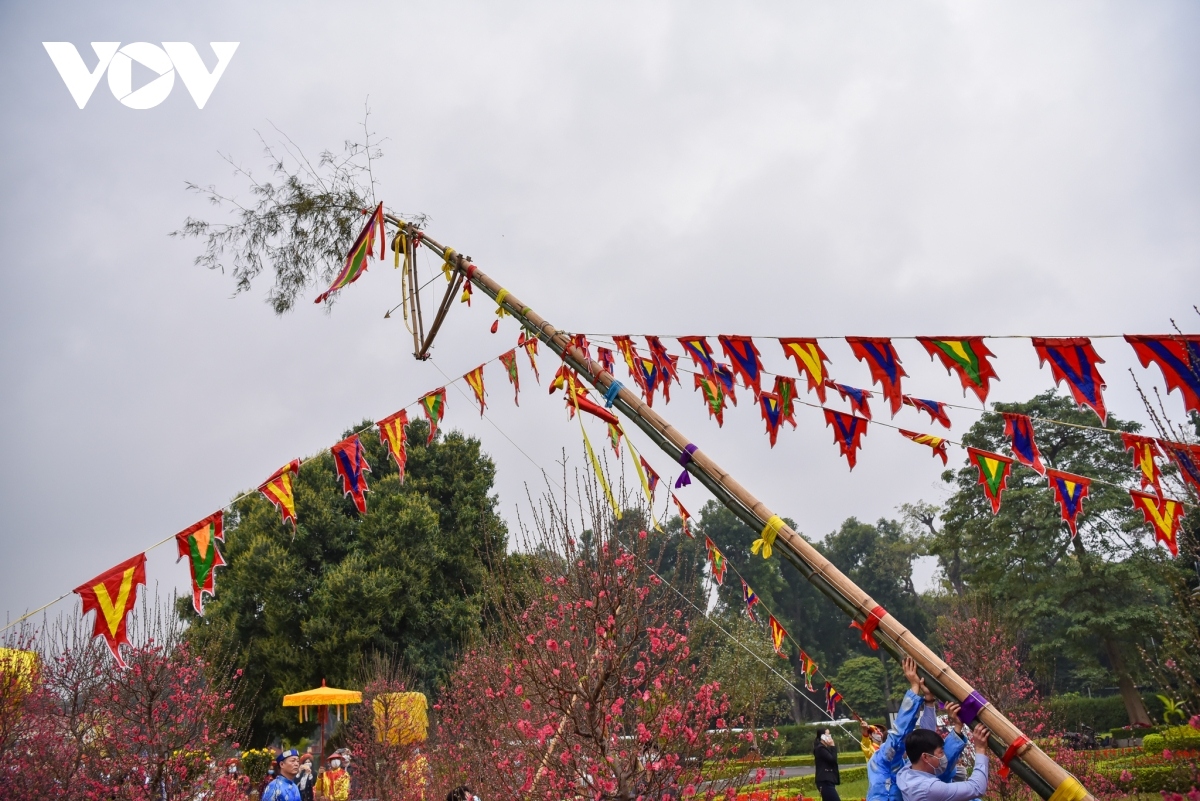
406,579
861,680
1085,602
742,665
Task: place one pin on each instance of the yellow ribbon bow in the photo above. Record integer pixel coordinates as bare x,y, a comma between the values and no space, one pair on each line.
769,533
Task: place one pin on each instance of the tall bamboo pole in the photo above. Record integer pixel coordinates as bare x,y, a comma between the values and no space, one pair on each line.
1033,765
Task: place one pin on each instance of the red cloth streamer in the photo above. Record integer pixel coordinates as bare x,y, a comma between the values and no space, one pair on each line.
1011,753
868,628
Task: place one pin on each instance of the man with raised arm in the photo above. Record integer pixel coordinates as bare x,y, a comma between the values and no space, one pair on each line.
922,781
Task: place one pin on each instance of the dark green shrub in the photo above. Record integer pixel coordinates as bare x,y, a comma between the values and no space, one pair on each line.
1102,714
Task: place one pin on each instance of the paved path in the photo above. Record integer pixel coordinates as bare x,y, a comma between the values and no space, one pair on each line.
803,770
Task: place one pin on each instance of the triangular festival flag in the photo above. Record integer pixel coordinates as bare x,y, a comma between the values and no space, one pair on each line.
351,465
530,344
648,378
848,431
722,373
968,357
651,476
716,560
714,396
772,413
809,667
581,341
1019,428
701,353
434,406
199,544
630,355
1179,359
393,433
665,363
1186,458
614,436
993,472
750,599
509,360
743,355
885,366
1069,491
279,490
859,399
810,361
356,261
935,409
938,444
474,380
1145,450
1164,515
832,697
785,388
778,636
605,357
1074,360
111,596
684,518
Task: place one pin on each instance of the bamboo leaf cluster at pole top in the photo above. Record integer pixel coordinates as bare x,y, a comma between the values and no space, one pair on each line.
1029,762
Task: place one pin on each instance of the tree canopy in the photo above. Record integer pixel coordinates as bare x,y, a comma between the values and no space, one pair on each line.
405,579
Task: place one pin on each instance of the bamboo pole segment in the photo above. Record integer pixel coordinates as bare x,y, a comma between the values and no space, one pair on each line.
1033,765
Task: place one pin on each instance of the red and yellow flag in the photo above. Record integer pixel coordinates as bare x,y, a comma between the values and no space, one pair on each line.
199,544
360,251
509,360
530,344
111,596
434,406
393,434
778,635
279,491
938,444
684,518
1164,515
810,361
474,380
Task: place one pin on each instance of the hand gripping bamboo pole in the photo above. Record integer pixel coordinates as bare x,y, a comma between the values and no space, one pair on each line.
1028,761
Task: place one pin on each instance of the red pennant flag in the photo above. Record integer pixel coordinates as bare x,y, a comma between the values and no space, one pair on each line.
111,596
581,341
1019,428
278,490
772,413
684,517
614,436
509,360
1179,359
810,361
778,636
351,465
935,409
605,357
199,544
434,406
665,363
848,432
393,433
714,396
530,344
885,366
1074,360
993,473
701,353
360,251
474,380
966,356
1186,458
716,560
1069,491
1145,450
785,388
857,398
937,444
1164,515
743,355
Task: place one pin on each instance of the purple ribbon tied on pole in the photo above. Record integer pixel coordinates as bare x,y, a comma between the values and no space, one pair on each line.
684,479
971,707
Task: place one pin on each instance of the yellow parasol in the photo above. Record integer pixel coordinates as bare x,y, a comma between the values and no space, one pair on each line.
322,698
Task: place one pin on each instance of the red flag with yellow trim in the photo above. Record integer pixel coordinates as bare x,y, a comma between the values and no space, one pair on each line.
474,380
393,434
199,544
1164,515
279,491
111,596
1145,450
810,361
778,636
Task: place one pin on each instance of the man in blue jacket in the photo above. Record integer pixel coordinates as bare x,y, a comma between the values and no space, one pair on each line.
918,704
283,787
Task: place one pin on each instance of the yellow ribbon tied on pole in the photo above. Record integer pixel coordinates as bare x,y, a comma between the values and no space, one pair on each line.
500,296
447,270
1069,790
769,533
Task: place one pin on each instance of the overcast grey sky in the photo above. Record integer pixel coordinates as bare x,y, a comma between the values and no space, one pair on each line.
757,168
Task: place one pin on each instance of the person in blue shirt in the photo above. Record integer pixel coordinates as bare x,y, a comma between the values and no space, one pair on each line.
284,788
918,704
924,781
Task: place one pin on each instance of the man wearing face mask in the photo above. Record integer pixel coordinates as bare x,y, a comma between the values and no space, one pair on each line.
926,752
826,764
334,783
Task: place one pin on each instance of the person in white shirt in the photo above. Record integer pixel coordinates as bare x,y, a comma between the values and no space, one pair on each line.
928,757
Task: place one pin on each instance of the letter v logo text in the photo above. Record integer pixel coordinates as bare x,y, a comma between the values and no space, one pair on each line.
80,82
196,77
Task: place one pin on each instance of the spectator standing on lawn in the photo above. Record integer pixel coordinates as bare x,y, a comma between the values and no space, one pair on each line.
826,762
923,780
